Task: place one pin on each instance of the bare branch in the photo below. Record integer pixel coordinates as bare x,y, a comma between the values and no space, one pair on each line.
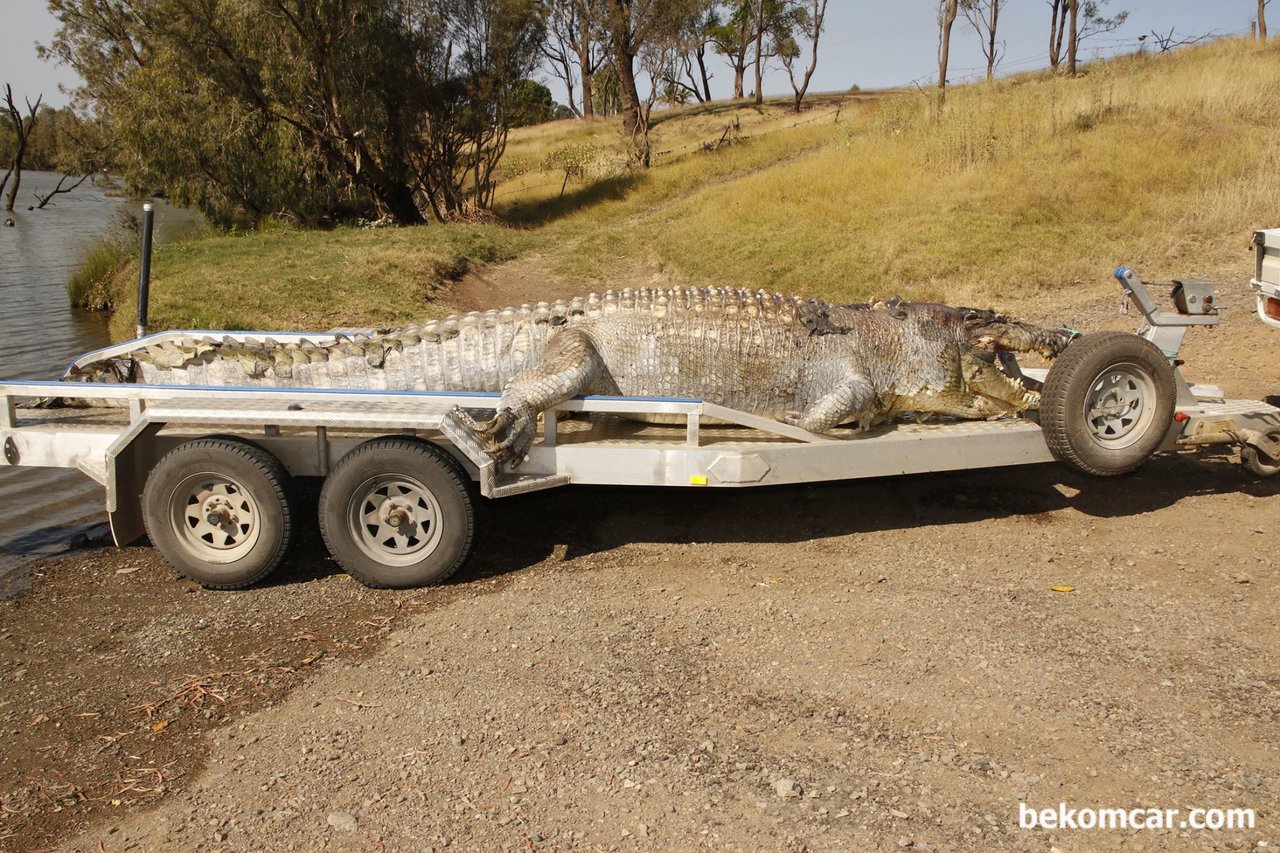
58,190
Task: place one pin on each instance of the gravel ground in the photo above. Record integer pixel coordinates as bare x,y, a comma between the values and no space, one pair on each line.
868,665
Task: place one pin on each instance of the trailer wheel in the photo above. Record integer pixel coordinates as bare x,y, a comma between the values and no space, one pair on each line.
220,511
1258,464
398,513
1107,403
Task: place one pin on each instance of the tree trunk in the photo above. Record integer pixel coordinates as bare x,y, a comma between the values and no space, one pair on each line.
739,77
22,131
991,39
633,123
1262,19
1057,27
17,181
946,20
760,60
701,53
1073,40
584,64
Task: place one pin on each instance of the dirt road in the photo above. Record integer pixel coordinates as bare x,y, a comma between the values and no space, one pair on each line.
852,666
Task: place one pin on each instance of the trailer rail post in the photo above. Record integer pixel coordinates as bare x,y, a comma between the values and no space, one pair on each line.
144,269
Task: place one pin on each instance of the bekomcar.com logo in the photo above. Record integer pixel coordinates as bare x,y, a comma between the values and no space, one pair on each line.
1065,817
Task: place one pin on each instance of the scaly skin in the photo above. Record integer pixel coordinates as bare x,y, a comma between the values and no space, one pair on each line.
806,362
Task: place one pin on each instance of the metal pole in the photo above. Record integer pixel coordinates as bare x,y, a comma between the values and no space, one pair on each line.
144,269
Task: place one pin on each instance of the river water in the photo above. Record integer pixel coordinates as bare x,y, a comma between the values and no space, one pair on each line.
44,510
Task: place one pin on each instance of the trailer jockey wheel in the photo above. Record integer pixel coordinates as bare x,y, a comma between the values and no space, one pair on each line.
398,513
1258,464
1107,403
220,511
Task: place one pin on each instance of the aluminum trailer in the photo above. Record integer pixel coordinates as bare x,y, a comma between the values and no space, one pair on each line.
206,472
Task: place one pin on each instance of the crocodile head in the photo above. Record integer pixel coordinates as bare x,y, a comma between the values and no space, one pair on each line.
994,332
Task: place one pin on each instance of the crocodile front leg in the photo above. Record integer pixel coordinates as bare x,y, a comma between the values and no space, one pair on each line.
571,366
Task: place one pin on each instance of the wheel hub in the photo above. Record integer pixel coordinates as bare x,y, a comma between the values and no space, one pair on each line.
394,519
397,515
219,512
1118,405
215,518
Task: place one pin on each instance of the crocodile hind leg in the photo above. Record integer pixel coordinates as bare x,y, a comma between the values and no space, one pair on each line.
571,366
854,398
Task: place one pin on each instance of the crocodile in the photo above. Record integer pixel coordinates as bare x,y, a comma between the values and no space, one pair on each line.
806,362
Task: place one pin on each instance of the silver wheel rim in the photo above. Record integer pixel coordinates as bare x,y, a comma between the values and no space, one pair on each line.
394,519
215,518
1120,405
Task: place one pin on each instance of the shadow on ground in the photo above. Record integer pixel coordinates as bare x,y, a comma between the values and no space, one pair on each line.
523,531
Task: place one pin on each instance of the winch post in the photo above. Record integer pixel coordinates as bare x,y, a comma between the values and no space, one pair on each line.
144,269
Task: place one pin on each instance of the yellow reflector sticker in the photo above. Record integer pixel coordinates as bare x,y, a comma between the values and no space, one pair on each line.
697,480
1062,587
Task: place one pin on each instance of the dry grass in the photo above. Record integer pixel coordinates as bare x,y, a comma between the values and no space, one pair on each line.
1031,184
1034,184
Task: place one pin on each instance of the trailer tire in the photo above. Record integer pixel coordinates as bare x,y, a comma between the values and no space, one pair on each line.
398,513
1108,403
1258,464
220,511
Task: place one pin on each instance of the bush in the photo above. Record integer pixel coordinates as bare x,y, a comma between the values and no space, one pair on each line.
93,284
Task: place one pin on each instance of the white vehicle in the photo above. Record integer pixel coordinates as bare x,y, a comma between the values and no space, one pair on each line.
1266,279
207,472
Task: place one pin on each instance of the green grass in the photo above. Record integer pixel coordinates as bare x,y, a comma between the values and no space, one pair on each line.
1028,187
309,280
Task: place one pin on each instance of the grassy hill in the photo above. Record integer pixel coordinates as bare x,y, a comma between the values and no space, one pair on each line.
1028,186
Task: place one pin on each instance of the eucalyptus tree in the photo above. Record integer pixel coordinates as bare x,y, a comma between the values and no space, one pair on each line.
314,108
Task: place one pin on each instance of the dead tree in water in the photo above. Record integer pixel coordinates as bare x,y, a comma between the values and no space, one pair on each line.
22,131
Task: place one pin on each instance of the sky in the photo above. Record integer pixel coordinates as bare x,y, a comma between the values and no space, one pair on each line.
871,43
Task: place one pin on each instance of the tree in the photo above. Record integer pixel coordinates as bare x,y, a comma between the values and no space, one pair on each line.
314,107
984,17
947,10
810,28
774,22
22,127
645,31
733,38
1262,19
1057,30
691,53
574,48
1076,21
531,103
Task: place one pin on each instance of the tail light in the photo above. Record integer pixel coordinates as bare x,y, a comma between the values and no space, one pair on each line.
1271,306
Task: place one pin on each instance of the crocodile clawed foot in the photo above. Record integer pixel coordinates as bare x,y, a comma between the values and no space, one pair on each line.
506,437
